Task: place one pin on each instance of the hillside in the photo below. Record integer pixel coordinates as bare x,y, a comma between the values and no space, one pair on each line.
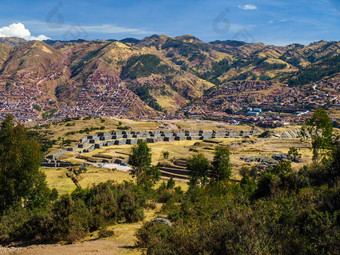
153,76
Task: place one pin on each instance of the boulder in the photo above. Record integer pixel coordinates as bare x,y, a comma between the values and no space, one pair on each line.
162,220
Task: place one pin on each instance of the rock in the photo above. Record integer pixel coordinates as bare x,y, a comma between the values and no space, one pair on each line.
279,157
162,220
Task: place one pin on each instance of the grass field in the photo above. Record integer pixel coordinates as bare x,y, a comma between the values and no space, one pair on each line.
56,178
96,175
239,147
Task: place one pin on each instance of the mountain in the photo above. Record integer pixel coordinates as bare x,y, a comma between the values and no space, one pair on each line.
11,41
156,74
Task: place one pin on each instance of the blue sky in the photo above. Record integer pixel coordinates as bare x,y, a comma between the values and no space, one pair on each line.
278,22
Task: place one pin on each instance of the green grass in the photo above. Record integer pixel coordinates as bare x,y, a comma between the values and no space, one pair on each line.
56,178
96,175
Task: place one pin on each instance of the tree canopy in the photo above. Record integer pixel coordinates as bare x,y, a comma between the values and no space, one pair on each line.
21,181
221,168
199,166
140,159
319,128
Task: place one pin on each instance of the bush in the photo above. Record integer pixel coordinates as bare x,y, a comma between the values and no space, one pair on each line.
72,217
87,118
149,232
152,205
165,154
104,232
224,220
123,128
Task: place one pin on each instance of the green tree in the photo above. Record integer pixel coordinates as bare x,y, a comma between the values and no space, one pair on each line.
293,154
278,177
171,183
199,167
248,184
221,167
333,169
320,129
166,154
21,181
140,159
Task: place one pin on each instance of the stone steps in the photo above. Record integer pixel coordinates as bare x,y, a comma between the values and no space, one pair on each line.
174,171
181,162
167,174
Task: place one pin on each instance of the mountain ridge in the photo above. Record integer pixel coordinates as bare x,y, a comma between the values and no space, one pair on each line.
165,73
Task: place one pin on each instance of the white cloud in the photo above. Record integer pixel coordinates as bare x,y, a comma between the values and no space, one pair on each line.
278,21
113,29
19,30
247,7
102,28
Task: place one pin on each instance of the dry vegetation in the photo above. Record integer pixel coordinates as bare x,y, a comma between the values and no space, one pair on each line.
123,241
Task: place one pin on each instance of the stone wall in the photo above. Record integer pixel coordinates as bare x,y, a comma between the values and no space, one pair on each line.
131,137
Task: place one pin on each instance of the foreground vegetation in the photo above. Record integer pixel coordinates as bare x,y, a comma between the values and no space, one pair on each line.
281,213
30,211
275,211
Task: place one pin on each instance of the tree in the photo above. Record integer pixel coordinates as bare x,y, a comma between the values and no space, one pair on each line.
171,183
248,184
21,181
333,170
199,167
140,159
278,177
221,168
320,129
166,154
293,154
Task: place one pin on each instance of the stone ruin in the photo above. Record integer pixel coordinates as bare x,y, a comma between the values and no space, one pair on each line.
99,140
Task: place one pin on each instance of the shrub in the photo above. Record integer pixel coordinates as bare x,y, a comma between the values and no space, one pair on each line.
87,118
171,183
104,232
165,154
71,217
151,205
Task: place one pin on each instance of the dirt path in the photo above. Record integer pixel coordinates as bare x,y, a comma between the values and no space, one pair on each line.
121,243
102,246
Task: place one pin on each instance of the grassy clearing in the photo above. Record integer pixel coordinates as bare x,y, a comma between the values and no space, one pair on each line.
56,178
96,175
60,129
